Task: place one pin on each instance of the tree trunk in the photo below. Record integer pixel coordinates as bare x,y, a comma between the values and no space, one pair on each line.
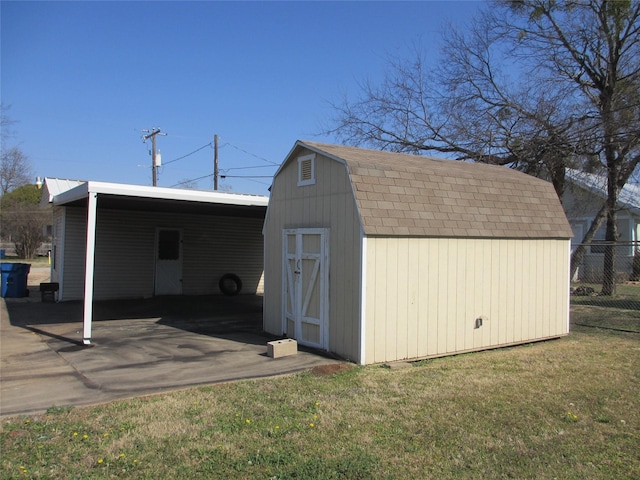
613,192
578,254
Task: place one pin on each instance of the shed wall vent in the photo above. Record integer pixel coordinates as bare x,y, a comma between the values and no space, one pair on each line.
306,170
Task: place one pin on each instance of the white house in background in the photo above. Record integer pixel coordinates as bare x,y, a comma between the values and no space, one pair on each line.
584,196
115,241
379,256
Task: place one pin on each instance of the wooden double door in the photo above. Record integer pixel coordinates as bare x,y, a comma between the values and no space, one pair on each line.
306,286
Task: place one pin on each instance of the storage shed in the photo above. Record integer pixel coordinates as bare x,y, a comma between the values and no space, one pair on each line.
379,256
113,241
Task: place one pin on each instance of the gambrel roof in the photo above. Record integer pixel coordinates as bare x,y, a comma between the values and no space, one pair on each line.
409,195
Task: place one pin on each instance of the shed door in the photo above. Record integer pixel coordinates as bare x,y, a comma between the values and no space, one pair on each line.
169,262
306,293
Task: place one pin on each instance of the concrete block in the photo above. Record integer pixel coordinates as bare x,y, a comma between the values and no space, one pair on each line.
282,348
48,291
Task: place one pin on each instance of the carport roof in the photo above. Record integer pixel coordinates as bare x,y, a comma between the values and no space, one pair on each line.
137,197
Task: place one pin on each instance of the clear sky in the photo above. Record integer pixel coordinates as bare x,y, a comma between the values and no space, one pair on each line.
83,79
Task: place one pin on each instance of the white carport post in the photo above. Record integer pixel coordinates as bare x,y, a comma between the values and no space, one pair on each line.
89,267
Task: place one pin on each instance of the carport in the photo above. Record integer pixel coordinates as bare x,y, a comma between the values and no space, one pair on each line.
120,241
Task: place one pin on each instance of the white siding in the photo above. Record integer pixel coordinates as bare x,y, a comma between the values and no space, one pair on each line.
125,252
75,238
57,245
424,295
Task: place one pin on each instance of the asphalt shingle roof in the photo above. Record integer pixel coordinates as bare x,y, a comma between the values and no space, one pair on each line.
409,195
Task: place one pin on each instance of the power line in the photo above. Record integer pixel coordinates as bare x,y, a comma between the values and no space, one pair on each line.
215,174
246,176
223,176
258,181
249,153
188,154
192,180
246,168
210,144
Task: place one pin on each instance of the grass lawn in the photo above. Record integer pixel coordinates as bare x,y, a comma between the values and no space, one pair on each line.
620,311
629,292
567,408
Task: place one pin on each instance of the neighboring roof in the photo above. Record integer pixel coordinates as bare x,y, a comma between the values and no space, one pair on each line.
409,195
55,186
138,197
597,184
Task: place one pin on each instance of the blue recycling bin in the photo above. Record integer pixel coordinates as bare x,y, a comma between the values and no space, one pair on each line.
14,279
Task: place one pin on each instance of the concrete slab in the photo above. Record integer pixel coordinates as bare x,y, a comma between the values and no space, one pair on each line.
139,347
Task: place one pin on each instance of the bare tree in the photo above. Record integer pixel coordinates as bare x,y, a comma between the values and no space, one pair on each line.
15,170
15,167
5,123
537,85
23,220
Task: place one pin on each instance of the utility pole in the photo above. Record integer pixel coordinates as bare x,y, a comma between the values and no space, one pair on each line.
151,134
215,162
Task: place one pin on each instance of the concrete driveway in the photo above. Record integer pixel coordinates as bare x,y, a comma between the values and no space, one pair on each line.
139,347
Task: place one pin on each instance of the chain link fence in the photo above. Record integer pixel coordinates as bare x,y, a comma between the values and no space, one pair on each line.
605,287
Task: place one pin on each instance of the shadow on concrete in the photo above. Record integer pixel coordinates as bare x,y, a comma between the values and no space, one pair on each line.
54,336
234,318
138,347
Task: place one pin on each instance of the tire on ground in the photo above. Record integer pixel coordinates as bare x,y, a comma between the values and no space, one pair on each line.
230,284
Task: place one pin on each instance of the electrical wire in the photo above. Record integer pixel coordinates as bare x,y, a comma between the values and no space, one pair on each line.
222,175
249,153
192,180
246,168
246,176
268,184
188,154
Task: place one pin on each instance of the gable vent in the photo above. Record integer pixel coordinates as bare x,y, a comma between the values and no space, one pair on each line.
306,173
305,170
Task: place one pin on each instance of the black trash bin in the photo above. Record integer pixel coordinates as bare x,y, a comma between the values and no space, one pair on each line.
14,279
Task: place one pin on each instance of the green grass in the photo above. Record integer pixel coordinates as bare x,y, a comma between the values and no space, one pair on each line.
620,311
627,292
568,408
615,318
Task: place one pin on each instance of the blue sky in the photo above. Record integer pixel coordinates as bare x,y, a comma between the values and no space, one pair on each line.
83,80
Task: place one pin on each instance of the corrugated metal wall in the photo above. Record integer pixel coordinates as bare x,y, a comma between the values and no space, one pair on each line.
327,203
424,295
126,249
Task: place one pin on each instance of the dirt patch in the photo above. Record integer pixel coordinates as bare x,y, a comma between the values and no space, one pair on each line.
331,369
